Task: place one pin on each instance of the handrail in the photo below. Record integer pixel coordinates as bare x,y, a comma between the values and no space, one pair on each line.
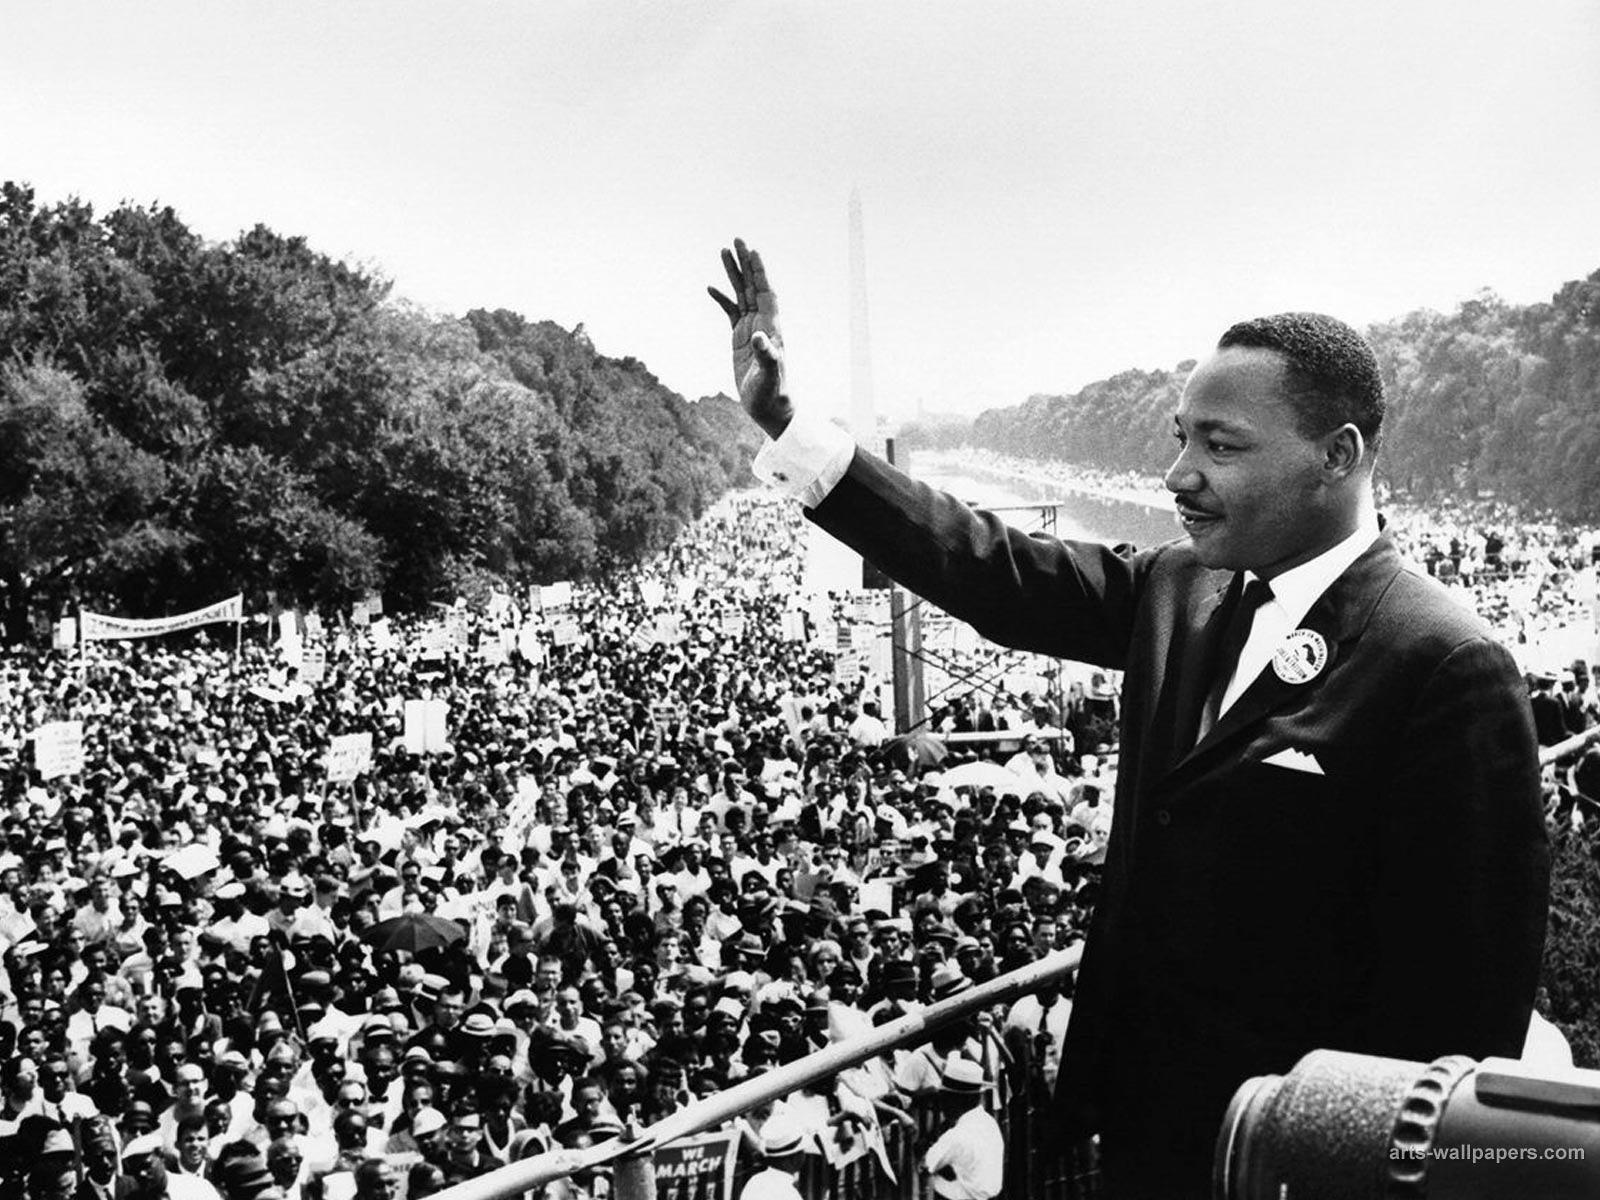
515,1178
1550,754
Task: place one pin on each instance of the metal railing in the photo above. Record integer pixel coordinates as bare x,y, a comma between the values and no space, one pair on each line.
1575,744
629,1157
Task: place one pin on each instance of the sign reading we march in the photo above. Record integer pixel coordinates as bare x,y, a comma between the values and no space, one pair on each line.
700,1166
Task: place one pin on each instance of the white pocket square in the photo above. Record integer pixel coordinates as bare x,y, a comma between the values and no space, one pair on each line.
1295,760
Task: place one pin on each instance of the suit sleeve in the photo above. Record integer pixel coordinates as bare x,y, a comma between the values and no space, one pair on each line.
1030,592
1463,867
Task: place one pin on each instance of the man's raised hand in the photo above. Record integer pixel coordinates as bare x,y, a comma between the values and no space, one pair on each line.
757,343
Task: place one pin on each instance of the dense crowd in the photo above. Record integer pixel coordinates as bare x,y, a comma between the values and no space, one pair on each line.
663,841
667,844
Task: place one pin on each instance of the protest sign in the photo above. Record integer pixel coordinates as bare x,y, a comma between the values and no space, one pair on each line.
876,894
58,749
435,642
313,665
700,1167
528,644
426,728
793,627
66,634
348,756
554,595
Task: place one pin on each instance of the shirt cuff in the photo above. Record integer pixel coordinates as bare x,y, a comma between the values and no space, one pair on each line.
807,460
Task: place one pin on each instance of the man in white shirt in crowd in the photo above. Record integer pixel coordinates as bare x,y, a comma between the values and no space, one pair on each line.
968,1160
783,1147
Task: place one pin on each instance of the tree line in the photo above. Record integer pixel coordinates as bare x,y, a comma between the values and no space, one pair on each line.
182,419
1492,397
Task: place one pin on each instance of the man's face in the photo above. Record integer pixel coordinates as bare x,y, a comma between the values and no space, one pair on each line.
100,1161
1251,489
447,1009
548,976
381,1070
192,1146
190,1084
569,1004
149,1174
53,1080
283,1119
283,1160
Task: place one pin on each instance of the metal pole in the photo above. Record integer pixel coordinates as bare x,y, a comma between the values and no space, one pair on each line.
634,1178
1575,743
911,1029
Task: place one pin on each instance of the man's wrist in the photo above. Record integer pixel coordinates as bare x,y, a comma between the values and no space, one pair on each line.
807,459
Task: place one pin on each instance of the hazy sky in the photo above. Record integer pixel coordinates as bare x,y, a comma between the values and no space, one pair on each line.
1053,191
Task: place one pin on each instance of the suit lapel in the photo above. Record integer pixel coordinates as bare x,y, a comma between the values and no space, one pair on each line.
1338,617
1183,686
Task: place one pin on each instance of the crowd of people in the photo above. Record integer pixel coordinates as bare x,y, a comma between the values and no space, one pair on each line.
666,843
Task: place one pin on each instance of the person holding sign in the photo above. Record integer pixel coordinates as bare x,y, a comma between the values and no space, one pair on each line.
1328,829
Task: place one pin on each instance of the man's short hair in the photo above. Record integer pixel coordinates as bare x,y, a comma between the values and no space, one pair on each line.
1330,367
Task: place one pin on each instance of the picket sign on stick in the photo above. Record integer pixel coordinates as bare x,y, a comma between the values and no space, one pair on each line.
348,756
58,749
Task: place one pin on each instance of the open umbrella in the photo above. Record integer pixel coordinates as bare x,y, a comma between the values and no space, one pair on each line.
988,774
192,861
916,751
414,932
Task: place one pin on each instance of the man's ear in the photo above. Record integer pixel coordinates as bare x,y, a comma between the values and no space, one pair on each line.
1344,451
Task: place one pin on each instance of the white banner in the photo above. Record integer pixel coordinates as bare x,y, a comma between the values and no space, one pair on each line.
98,628
58,749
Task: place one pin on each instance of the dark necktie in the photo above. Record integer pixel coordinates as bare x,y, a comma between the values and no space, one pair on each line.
1226,658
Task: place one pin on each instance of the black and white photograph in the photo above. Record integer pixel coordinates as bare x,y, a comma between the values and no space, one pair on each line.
799,601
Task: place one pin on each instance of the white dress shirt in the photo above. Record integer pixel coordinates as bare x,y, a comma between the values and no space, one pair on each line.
1293,594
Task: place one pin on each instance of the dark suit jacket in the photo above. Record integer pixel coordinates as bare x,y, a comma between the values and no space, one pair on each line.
1391,902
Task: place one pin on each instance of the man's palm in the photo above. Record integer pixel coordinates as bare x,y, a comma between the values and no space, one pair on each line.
757,343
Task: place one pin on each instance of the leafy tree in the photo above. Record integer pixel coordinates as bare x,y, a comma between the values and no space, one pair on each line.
80,506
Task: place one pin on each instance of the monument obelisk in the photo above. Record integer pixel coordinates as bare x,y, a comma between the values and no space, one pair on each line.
863,416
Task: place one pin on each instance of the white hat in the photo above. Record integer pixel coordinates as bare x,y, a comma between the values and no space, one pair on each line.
150,1143
781,1135
961,1076
427,1120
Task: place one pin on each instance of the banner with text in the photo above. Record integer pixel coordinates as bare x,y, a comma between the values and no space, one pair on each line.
100,628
